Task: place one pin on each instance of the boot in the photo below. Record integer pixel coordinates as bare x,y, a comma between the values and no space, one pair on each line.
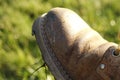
74,51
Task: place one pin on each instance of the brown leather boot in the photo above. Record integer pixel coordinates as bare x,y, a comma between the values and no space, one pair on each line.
74,51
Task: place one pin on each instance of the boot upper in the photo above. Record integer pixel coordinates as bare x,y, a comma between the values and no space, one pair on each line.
78,47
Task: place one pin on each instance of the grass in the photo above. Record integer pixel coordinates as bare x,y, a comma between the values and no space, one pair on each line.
19,53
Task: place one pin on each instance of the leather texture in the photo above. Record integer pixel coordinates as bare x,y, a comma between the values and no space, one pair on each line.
81,51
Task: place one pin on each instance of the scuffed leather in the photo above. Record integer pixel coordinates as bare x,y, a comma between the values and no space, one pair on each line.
112,65
79,48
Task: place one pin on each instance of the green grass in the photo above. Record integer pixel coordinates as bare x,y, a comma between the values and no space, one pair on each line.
19,53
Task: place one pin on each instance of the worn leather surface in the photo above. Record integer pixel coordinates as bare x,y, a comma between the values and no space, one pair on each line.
79,48
112,65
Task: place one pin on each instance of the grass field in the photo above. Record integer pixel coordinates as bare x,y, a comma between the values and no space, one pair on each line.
19,53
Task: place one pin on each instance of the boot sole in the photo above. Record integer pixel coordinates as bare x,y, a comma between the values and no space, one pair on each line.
48,56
